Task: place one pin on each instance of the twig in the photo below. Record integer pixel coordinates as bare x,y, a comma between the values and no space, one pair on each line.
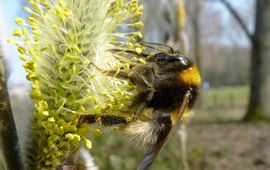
8,135
182,132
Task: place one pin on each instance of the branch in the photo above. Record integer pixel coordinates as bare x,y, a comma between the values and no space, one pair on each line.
237,17
8,135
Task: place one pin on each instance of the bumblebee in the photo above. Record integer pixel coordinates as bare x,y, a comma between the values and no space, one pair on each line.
169,84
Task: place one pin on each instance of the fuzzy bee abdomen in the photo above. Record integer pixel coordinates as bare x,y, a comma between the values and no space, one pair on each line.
148,133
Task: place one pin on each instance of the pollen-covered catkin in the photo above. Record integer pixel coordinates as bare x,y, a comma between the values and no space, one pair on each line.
62,43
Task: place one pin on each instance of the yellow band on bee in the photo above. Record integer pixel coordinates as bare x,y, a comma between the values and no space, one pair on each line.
190,76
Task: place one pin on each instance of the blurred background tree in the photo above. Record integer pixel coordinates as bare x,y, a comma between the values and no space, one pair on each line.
194,8
258,107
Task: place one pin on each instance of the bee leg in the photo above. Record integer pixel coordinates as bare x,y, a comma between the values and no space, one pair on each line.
112,73
140,80
104,120
143,76
124,60
119,74
98,68
136,79
137,76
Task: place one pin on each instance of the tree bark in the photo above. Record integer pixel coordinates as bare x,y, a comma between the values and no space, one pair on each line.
8,135
196,32
259,107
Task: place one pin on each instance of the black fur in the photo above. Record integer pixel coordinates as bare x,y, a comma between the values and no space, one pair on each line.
105,120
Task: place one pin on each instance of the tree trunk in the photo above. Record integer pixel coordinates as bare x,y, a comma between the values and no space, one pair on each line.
8,135
196,32
259,106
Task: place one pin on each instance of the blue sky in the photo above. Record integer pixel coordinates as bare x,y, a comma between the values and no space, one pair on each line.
11,9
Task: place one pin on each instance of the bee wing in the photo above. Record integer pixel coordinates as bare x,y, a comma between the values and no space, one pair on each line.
154,151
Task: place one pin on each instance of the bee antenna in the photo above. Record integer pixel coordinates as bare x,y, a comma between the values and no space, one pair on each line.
154,43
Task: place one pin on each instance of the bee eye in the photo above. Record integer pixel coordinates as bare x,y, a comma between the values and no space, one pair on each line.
173,59
162,57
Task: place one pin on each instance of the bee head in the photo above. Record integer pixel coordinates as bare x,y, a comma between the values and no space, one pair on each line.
164,58
188,73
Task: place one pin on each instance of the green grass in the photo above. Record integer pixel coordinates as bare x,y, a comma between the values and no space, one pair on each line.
1,165
221,104
116,152
225,94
